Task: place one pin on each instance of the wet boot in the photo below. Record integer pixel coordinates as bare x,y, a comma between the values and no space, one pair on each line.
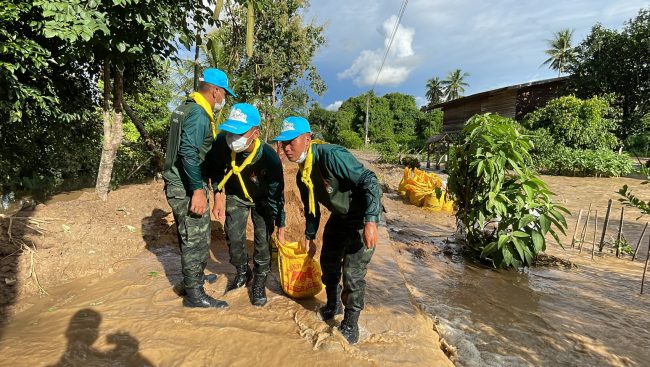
333,305
258,291
349,326
196,297
242,277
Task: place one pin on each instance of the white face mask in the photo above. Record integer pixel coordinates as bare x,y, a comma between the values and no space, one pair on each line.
219,106
237,143
302,157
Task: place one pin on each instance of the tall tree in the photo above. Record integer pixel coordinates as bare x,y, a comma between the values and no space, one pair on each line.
616,62
455,84
435,90
281,69
120,42
561,53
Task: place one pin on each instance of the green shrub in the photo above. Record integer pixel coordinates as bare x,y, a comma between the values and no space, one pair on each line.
576,162
350,139
505,209
576,123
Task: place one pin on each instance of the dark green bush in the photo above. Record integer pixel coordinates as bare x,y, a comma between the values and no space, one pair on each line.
576,162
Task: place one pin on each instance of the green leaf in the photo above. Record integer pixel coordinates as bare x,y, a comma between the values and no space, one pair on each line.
538,241
544,223
520,234
519,246
525,220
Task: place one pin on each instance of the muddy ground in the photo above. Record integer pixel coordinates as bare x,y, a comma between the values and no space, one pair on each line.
130,242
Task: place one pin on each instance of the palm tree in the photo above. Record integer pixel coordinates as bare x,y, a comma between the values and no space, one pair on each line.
560,51
455,84
435,91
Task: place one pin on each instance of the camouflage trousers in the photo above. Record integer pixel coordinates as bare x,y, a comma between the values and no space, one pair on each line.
193,235
344,253
237,212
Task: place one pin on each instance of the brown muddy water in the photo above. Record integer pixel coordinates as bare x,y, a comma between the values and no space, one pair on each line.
587,315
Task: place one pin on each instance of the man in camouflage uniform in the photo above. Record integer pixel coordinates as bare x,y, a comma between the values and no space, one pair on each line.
251,173
331,176
191,134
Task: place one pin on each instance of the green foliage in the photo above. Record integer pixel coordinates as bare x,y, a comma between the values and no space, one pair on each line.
639,143
281,69
435,90
576,123
584,162
350,139
396,124
505,209
631,200
613,61
455,84
561,53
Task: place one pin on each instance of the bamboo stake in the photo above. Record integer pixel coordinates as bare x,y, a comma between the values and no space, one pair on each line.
602,238
593,243
638,244
575,231
645,268
584,230
620,232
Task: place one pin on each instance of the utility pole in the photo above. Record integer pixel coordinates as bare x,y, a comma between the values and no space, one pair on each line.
367,118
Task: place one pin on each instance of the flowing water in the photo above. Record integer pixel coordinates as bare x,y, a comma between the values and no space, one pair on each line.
588,315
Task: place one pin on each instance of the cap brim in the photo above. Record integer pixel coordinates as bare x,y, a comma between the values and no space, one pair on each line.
287,135
229,91
235,127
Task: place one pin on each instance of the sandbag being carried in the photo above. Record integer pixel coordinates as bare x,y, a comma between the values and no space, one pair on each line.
425,190
300,275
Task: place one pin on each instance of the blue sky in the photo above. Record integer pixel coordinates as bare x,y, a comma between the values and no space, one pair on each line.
498,42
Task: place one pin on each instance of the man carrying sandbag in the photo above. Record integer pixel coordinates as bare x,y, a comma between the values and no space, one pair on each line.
331,176
191,133
251,173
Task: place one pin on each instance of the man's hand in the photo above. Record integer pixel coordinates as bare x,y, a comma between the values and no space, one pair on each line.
280,234
370,234
309,247
219,210
199,202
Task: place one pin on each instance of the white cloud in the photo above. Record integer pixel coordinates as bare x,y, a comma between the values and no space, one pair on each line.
334,106
400,62
421,101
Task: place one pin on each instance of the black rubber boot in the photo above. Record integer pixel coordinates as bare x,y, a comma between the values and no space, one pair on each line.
196,297
258,290
333,306
349,326
243,276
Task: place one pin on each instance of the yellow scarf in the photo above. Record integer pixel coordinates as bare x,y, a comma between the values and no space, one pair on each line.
201,101
305,176
238,169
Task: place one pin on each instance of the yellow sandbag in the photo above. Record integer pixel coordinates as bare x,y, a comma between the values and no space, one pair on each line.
300,275
419,187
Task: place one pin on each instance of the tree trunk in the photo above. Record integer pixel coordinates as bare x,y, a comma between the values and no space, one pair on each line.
144,135
196,62
113,132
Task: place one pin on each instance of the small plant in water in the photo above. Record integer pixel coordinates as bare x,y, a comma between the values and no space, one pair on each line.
153,274
504,209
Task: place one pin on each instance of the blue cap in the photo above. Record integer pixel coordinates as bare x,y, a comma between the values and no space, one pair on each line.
243,117
217,78
292,127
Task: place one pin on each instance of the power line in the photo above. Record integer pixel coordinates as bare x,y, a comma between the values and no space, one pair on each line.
383,61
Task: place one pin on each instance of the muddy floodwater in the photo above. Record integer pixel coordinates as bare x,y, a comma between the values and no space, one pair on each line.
109,270
590,314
